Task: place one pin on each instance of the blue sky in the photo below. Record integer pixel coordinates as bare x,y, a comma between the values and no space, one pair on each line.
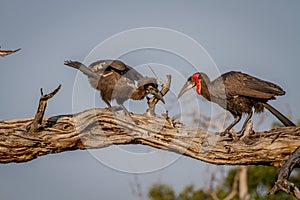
261,38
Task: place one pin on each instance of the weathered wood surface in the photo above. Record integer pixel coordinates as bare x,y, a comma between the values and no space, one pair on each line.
285,171
99,128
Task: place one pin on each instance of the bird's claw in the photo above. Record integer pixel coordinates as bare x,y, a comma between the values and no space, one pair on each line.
118,108
231,135
240,134
115,108
224,133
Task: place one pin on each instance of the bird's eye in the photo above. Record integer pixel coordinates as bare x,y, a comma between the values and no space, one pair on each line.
149,88
195,77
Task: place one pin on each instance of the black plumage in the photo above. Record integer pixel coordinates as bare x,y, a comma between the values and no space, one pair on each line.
238,93
116,80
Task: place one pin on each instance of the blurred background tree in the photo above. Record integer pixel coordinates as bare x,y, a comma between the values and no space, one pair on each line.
259,180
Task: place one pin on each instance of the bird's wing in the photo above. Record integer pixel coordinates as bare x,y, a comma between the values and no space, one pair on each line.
148,81
118,66
132,74
84,69
7,52
102,65
237,83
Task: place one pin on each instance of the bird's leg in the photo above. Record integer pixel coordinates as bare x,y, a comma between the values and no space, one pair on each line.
236,120
241,132
113,108
125,110
107,103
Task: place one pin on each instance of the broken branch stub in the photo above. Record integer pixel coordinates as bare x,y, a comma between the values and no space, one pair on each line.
4,52
153,101
37,121
286,169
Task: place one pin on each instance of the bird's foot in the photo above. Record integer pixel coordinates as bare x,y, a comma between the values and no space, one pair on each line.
236,136
127,115
225,133
230,136
115,108
240,134
225,136
119,108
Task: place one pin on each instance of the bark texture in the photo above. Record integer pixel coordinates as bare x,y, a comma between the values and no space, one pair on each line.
285,171
99,128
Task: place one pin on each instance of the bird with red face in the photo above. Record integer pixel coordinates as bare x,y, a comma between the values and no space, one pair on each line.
239,93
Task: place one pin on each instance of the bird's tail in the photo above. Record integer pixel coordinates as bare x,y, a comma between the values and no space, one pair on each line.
81,67
279,115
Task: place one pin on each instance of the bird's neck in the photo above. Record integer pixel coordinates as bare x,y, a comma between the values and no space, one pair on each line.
138,94
205,85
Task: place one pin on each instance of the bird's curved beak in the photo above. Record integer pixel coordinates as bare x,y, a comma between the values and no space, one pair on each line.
159,96
187,86
156,93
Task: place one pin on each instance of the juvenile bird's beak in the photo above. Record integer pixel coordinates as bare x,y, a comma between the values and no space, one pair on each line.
159,96
156,93
187,86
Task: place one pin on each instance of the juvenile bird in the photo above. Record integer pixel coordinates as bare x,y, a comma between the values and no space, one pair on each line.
116,80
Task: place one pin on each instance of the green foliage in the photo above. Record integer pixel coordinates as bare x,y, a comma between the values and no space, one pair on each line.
165,192
161,192
189,193
260,180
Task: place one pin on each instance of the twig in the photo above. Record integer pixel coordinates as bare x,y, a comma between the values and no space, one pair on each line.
153,101
171,120
159,80
81,67
4,52
282,182
37,121
136,188
243,183
234,187
211,191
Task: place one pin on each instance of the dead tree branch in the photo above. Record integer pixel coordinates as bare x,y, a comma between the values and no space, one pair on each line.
4,52
234,188
282,182
41,109
153,101
99,128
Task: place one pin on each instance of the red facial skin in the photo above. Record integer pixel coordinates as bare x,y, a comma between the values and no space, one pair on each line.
196,79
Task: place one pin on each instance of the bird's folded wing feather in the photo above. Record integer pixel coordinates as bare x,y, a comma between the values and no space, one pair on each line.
84,69
237,83
117,66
